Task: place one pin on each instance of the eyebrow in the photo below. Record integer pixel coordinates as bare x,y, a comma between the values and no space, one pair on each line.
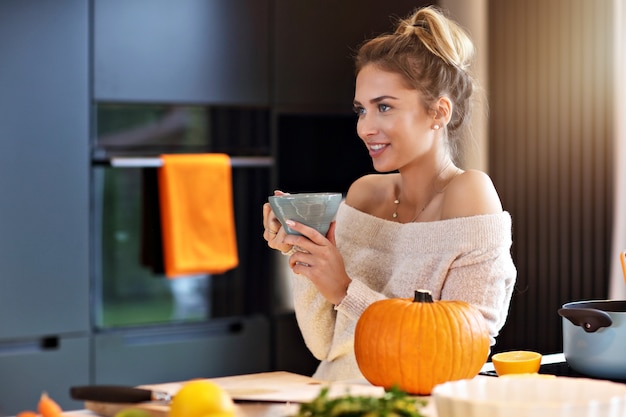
377,99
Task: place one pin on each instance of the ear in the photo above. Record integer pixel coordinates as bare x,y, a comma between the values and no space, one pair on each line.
443,110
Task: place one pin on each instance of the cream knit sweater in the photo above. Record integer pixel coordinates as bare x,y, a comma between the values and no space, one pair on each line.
457,259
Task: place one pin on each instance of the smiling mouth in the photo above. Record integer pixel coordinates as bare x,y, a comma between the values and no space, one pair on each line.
376,149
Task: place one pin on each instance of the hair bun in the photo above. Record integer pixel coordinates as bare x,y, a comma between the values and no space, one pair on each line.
440,35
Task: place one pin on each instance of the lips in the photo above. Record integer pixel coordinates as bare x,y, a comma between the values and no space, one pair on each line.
376,149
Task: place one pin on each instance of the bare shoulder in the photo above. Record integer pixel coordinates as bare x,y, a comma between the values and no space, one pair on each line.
368,192
470,194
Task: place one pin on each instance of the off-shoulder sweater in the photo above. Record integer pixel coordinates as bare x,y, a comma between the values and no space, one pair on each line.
465,259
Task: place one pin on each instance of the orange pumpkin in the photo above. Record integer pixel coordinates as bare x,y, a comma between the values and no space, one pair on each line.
415,344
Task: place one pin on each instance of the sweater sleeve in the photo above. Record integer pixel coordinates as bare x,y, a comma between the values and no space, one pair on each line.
485,279
315,315
317,318
358,298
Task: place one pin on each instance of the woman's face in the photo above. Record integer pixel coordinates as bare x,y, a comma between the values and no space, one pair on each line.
392,121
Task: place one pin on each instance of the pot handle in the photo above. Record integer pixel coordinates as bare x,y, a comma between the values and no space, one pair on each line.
590,319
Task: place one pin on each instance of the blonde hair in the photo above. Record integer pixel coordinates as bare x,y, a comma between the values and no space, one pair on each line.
433,54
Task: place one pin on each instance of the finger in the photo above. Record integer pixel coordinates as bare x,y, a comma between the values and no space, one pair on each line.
274,224
267,211
297,262
270,221
269,235
281,245
309,232
275,240
266,224
331,233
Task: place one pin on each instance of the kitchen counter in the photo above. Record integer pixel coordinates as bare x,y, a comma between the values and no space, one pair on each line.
243,410
255,410
252,408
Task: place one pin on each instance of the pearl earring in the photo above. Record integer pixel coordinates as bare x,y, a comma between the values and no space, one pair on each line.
436,127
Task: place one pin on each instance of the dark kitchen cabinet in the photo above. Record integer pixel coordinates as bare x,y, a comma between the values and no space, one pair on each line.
218,348
44,175
29,367
184,51
44,207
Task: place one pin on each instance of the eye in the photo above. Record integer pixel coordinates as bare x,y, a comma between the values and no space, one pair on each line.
358,110
383,107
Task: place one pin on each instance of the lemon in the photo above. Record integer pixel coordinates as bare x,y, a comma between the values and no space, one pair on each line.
516,362
202,398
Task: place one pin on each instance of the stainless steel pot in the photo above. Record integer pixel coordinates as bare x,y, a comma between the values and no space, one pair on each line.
594,337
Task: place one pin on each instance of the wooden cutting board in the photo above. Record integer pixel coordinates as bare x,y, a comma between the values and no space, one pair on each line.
243,410
279,391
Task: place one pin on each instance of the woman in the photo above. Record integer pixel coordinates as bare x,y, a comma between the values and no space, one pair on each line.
430,225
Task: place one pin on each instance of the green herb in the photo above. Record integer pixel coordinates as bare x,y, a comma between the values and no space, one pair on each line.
394,403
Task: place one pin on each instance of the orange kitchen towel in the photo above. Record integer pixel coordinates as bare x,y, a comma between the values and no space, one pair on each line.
197,218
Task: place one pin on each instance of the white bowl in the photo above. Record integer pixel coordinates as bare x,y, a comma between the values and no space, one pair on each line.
512,396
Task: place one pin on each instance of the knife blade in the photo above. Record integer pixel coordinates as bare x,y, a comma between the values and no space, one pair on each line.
117,394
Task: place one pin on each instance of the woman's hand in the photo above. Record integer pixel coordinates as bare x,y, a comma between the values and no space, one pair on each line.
273,232
318,259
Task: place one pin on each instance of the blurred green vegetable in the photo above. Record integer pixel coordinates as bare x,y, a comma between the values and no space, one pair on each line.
132,412
394,403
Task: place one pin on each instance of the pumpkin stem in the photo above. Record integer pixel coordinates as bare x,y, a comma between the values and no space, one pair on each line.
423,296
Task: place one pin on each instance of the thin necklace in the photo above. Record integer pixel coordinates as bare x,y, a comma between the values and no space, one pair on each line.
397,199
397,203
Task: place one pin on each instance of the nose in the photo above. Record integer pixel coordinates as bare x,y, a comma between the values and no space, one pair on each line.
365,127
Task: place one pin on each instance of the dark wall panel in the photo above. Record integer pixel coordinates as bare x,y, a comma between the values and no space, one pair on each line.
313,46
551,156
